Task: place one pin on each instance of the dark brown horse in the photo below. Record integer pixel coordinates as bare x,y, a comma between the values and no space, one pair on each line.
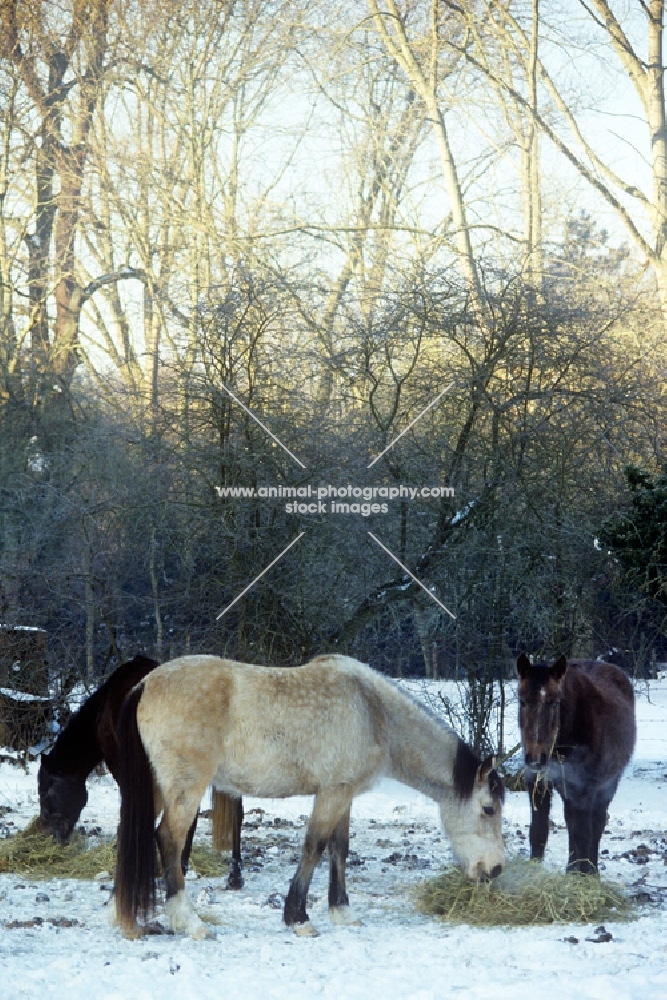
578,732
89,739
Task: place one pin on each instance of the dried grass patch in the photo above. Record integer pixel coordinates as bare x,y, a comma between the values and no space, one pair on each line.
36,856
32,854
525,894
208,863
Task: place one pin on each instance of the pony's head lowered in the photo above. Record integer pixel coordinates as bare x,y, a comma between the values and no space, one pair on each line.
540,689
473,818
61,799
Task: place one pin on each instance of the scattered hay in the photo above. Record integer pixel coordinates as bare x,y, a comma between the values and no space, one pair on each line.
32,854
208,863
36,856
526,893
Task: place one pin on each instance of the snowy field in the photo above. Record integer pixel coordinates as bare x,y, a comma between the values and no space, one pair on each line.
395,842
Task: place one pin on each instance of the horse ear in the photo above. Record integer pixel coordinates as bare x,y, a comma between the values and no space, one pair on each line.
485,768
557,669
523,666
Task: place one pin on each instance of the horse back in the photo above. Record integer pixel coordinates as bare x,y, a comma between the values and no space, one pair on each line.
607,677
598,712
261,730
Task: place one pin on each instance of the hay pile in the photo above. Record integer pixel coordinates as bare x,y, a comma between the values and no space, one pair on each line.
208,863
33,855
526,893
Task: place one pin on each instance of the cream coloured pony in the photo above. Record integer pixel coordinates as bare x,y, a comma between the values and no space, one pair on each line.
330,728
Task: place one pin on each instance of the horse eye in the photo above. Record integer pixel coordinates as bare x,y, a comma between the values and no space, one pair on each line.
489,810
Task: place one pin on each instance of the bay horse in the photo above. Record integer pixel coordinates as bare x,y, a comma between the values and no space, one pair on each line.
329,728
578,731
88,739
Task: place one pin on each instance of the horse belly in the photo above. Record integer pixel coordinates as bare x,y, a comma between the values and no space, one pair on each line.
278,765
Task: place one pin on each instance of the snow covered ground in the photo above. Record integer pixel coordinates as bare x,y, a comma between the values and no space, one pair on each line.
396,842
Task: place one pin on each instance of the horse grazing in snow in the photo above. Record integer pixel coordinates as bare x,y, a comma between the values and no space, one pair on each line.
88,739
329,728
578,732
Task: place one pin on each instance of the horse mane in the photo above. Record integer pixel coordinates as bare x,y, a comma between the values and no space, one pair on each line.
77,750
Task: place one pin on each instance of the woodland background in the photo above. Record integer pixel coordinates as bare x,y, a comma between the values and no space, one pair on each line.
334,209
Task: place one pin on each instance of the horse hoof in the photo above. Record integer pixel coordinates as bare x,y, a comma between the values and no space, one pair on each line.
131,931
202,932
342,916
305,930
184,920
235,882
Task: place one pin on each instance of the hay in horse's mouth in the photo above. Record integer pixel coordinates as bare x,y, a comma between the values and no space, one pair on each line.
526,893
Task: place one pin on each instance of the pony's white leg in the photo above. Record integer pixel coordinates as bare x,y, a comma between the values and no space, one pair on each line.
171,836
183,919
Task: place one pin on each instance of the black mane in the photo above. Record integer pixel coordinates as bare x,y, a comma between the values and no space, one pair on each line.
77,749
466,766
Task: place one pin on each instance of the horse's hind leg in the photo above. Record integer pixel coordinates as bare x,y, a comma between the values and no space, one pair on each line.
329,809
171,834
235,878
339,904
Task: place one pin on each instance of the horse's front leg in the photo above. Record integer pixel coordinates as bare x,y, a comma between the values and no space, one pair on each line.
328,810
539,794
585,825
339,904
187,847
171,835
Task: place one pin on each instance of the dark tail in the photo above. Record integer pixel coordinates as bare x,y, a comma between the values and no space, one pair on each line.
136,859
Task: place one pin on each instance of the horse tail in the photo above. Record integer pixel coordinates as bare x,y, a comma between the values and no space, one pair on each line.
136,859
223,821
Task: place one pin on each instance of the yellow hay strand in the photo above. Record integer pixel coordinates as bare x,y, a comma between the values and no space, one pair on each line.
526,893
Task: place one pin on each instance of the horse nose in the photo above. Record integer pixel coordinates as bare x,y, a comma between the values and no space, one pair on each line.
543,759
495,872
529,757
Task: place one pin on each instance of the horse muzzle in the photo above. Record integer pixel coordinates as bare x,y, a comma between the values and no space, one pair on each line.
480,874
57,827
537,760
489,876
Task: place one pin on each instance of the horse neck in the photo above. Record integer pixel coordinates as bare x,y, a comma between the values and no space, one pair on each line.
576,722
89,737
77,749
422,750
